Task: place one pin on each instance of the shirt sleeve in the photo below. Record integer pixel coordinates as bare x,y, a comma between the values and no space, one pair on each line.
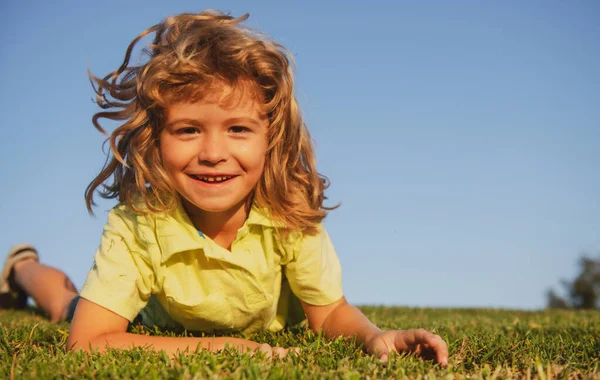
314,270
121,278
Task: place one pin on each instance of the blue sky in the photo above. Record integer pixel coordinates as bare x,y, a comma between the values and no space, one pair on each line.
461,138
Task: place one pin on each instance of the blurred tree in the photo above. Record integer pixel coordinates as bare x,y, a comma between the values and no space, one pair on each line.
583,292
555,301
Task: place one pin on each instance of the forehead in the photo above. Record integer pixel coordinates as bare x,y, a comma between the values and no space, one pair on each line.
242,96
224,104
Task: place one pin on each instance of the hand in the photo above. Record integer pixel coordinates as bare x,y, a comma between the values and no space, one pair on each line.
421,342
275,352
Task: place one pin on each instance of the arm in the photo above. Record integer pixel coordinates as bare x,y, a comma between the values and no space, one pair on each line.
315,276
342,319
86,334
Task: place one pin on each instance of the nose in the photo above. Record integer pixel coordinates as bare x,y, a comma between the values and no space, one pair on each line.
213,149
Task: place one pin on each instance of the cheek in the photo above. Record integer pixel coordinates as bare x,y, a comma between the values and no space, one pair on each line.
258,159
261,165
253,156
167,160
173,154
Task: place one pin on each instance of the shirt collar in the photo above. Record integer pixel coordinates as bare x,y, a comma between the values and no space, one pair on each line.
260,216
175,232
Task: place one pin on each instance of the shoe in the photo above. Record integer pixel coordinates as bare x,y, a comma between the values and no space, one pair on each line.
11,296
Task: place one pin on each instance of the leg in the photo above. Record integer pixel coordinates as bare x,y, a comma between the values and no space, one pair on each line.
49,287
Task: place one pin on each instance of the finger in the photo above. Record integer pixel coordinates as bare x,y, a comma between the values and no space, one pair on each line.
379,348
266,350
405,340
412,339
409,339
279,352
294,350
436,344
441,351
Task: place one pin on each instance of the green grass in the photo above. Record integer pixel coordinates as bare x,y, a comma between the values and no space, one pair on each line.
483,344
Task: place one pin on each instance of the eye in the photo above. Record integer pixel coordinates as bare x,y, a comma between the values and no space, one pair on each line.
238,129
187,130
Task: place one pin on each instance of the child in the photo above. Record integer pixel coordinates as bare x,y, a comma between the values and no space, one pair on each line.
219,223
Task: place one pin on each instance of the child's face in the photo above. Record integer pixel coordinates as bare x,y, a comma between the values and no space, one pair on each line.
214,153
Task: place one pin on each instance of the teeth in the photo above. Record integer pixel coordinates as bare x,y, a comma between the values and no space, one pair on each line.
213,179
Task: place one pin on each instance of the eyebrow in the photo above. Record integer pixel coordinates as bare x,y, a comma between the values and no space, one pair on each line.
182,121
233,120
242,120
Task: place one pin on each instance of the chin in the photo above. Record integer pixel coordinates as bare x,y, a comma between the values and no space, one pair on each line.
216,207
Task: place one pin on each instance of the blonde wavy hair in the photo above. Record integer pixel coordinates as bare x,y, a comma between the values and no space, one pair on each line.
188,55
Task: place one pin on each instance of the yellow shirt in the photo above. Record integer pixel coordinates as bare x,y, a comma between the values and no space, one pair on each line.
160,267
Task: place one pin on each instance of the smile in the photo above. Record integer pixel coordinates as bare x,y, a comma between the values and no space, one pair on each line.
211,179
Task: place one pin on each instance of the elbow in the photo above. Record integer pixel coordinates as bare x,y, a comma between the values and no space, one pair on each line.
315,328
326,322
83,343
76,344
